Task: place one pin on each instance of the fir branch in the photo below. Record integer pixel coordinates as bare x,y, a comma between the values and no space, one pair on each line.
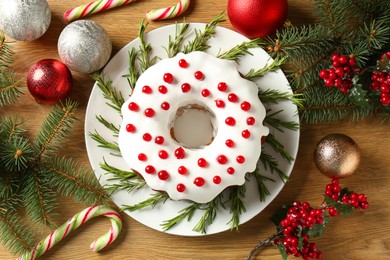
108,125
279,124
55,128
15,235
10,88
145,48
10,197
199,43
154,200
208,216
133,73
70,179
240,50
10,127
275,65
174,45
109,93
376,35
186,213
279,148
6,53
270,162
262,188
103,142
237,194
39,200
16,154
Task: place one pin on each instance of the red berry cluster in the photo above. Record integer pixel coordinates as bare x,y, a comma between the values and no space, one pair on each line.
381,82
303,215
340,74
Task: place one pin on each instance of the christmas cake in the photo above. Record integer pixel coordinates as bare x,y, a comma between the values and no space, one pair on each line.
192,126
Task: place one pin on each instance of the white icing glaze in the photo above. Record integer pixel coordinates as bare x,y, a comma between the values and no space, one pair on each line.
215,71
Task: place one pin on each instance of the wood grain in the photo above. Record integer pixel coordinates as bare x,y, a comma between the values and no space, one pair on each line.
364,235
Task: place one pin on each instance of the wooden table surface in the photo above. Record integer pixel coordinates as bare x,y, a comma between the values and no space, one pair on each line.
364,235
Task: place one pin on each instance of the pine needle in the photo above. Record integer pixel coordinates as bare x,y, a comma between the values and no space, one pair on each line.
10,88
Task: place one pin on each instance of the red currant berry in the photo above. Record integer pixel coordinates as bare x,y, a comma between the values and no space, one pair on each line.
245,106
230,170
159,140
246,134
183,63
180,187
165,105
220,103
230,121
217,179
222,159
185,87
133,106
180,153
150,169
229,143
130,128
163,89
202,162
205,92
163,154
250,121
199,181
222,86
168,78
149,112
182,170
240,159
163,175
147,137
142,157
199,75
232,97
147,90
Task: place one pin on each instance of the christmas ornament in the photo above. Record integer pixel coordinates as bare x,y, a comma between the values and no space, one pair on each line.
337,156
257,18
169,12
76,221
24,20
49,81
92,8
84,46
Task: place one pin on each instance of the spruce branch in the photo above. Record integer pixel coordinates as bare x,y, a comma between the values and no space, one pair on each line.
55,128
116,99
10,88
186,213
10,127
6,53
152,201
175,44
16,154
199,43
240,50
275,65
237,194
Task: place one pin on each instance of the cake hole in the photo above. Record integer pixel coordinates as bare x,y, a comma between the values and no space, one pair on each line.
193,126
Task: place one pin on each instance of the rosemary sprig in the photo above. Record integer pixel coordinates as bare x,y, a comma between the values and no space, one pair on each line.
185,213
275,65
154,199
125,185
199,43
274,96
270,162
279,148
236,196
133,74
279,124
109,93
103,142
208,216
117,172
175,44
145,48
106,123
262,188
240,50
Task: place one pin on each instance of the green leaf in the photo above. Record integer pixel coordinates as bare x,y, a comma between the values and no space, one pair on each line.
317,229
280,214
344,209
282,251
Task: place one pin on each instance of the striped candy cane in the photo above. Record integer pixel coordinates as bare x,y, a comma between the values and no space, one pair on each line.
77,220
92,8
169,12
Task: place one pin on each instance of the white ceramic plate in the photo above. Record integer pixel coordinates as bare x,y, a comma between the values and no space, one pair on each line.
153,217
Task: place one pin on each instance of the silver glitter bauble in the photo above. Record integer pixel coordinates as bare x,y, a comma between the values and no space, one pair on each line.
24,20
337,156
84,46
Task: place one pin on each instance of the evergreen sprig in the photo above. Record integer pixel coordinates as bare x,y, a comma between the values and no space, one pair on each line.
115,98
236,196
175,43
186,213
145,60
6,53
240,50
133,72
275,65
10,88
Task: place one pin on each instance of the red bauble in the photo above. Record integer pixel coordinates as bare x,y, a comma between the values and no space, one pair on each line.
49,81
257,18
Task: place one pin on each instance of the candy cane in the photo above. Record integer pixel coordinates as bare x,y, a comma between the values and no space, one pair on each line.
169,12
77,220
93,7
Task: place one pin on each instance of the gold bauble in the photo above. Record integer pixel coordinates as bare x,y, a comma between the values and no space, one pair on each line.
337,156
